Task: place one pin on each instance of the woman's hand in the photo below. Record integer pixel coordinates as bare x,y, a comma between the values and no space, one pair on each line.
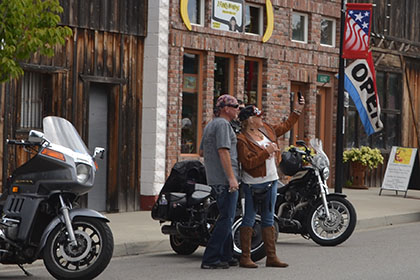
272,148
298,103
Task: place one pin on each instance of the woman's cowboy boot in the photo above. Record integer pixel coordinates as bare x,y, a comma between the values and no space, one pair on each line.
269,235
245,236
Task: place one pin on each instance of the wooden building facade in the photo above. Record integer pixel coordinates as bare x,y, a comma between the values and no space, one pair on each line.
94,81
395,44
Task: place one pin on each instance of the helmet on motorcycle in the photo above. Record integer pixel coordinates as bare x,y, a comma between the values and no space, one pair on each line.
291,162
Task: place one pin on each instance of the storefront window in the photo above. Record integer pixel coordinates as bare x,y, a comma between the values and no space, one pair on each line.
222,76
191,107
252,89
389,87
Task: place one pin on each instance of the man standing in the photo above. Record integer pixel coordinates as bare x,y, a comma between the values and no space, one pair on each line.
218,146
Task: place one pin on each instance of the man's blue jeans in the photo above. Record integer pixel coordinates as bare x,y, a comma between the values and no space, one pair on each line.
220,246
267,213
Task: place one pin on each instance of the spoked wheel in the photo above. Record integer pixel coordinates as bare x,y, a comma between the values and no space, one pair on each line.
88,258
257,244
337,229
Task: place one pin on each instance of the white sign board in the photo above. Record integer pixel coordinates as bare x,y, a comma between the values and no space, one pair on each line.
227,15
399,168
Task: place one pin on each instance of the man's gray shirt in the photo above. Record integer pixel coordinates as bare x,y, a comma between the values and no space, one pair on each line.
218,134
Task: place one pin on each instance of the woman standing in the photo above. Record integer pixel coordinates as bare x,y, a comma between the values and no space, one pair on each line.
258,155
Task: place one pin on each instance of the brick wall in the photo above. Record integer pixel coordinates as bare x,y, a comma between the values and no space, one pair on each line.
284,62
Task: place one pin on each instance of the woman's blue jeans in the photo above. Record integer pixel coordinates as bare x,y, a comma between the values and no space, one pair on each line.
220,246
267,209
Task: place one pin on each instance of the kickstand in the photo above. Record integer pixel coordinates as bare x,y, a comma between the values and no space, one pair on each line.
24,270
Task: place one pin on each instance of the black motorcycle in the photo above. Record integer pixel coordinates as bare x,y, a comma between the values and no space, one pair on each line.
38,218
188,211
305,206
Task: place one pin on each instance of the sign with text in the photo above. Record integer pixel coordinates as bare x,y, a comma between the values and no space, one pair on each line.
399,169
227,15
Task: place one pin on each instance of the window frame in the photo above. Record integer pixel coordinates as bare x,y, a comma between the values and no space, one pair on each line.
334,31
260,76
201,14
200,77
260,20
306,27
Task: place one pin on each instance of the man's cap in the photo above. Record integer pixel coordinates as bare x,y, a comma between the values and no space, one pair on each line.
249,111
225,100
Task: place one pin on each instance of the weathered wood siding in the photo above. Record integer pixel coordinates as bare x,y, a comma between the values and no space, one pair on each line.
113,57
402,21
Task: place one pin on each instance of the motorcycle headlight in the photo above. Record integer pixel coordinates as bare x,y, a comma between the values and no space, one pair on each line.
83,173
326,173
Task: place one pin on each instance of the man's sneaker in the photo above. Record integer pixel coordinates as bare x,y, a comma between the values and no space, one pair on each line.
220,265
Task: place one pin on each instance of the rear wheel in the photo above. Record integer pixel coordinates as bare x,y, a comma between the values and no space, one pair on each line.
181,245
88,258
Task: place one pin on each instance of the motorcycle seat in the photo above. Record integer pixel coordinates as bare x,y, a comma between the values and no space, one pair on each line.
200,193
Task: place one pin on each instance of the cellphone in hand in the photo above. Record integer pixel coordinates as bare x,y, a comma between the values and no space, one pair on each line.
300,96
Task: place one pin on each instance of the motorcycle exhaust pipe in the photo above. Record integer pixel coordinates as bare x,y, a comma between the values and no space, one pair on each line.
171,230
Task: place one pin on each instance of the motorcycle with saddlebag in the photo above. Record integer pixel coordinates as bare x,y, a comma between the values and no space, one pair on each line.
187,211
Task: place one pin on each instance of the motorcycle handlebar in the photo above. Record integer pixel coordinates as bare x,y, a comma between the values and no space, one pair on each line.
19,142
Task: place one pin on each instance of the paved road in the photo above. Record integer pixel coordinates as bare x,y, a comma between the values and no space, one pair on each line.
383,253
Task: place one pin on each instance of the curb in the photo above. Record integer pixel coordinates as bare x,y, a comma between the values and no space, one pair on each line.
147,247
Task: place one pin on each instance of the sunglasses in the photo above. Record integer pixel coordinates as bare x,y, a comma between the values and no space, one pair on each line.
233,105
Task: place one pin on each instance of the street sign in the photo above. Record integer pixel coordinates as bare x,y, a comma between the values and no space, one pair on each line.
321,78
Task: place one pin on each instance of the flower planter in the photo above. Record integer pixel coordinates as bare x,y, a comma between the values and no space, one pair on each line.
358,171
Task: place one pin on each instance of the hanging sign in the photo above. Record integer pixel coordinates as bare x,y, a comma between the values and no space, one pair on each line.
399,170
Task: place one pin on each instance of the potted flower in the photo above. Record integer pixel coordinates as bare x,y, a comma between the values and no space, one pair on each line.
360,159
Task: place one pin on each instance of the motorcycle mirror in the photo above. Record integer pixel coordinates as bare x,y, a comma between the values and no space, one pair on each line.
35,136
99,151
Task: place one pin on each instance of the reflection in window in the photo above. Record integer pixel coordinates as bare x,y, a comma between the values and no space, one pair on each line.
253,19
190,105
328,32
196,11
251,90
299,27
389,88
221,76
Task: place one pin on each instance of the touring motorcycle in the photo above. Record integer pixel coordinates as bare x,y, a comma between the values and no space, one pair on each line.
38,217
187,211
304,205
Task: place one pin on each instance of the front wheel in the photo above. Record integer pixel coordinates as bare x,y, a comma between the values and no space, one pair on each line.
86,260
337,229
181,245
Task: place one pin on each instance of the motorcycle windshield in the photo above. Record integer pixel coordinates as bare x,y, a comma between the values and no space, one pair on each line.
60,131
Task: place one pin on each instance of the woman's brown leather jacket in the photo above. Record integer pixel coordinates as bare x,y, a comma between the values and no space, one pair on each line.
252,156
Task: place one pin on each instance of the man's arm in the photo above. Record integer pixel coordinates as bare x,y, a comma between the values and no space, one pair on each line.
227,166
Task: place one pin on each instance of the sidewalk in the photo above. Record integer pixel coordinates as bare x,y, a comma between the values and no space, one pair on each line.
136,232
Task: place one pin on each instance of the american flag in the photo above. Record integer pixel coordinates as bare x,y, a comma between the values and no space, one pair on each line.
357,30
